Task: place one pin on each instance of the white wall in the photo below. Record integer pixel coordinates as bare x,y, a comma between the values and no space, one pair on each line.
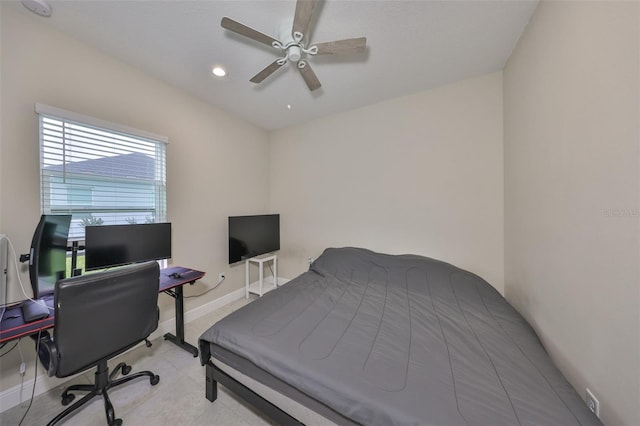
1,120
419,174
204,182
572,210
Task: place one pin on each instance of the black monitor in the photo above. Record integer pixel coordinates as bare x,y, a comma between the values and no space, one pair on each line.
251,236
117,245
48,253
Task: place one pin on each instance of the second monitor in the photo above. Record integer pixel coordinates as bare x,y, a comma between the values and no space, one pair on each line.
116,245
251,236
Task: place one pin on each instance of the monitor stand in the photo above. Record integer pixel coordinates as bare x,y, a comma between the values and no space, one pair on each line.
33,311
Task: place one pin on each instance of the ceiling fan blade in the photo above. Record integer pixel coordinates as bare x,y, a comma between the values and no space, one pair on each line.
237,27
302,18
270,69
341,47
309,77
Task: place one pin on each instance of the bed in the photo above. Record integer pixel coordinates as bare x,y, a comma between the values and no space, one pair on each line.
375,339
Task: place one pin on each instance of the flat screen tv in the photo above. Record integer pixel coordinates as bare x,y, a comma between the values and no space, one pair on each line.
251,236
116,245
48,253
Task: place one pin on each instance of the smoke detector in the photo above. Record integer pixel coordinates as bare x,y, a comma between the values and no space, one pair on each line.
39,7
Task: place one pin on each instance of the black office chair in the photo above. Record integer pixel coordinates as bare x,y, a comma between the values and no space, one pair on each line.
98,316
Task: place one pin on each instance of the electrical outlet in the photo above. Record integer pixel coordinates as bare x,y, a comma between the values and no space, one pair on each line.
221,277
593,403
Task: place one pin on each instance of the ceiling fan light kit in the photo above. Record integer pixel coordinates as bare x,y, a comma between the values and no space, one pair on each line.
290,42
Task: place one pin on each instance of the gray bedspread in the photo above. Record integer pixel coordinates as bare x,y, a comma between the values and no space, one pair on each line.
404,340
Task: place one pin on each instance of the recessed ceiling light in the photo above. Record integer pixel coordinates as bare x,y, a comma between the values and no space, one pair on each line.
39,7
219,71
288,106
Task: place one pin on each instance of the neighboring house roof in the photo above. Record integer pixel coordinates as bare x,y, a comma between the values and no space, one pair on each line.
131,166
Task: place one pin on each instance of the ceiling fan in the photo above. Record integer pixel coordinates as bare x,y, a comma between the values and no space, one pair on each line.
293,45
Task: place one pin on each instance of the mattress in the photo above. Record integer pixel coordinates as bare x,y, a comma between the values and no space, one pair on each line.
401,339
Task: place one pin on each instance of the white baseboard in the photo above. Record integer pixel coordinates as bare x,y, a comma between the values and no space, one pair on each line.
11,397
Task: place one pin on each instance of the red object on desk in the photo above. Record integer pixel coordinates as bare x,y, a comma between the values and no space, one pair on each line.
13,326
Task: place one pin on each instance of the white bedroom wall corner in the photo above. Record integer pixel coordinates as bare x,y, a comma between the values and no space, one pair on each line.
424,172
501,184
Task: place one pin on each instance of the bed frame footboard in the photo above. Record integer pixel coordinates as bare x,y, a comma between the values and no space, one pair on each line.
214,376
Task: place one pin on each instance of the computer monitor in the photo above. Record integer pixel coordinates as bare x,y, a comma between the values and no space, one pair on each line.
48,253
251,236
116,245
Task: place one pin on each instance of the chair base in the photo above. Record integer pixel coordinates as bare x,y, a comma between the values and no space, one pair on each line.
103,382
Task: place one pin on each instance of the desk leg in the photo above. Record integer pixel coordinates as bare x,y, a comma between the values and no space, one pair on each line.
178,339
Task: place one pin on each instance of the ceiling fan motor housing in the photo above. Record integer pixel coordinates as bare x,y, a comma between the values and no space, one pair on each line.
293,48
294,53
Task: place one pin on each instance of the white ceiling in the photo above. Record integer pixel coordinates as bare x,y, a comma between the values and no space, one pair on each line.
411,46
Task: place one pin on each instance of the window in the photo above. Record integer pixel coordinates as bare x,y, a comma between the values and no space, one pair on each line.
100,173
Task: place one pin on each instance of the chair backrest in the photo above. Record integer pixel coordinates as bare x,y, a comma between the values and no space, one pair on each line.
98,316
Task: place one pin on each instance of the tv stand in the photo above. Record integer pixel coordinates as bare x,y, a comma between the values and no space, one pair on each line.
259,289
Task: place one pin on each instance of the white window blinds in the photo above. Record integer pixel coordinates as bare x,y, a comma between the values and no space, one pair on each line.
100,173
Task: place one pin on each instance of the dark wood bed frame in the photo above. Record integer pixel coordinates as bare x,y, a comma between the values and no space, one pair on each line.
214,376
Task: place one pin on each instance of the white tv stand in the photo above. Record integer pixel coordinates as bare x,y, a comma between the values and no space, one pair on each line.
258,288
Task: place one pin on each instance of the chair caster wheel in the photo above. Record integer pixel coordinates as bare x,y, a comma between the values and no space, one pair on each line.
154,380
126,369
116,422
67,398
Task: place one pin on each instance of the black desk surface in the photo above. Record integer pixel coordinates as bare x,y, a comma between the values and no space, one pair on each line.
14,327
186,276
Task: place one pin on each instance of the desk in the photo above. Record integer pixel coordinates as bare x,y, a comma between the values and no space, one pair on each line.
13,325
173,287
